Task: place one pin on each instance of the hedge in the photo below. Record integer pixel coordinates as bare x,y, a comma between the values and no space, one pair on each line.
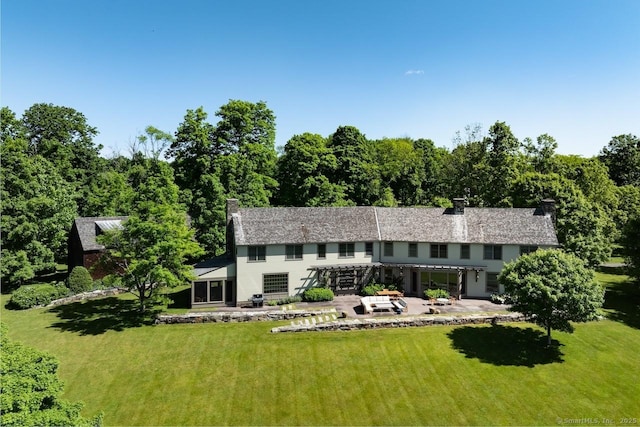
318,294
36,295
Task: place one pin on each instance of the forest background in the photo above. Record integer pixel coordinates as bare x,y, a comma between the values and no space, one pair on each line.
52,172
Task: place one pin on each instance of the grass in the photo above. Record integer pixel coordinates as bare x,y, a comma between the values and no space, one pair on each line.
241,374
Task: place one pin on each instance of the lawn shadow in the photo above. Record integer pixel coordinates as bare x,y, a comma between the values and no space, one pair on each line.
617,269
622,303
506,345
95,317
180,299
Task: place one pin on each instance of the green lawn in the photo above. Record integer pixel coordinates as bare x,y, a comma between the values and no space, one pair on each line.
241,374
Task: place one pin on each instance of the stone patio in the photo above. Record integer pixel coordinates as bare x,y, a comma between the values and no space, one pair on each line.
351,307
350,304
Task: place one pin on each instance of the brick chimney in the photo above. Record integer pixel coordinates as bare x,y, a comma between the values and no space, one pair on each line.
458,206
232,208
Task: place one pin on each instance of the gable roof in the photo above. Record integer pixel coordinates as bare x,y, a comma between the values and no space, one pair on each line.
268,226
295,225
520,226
89,227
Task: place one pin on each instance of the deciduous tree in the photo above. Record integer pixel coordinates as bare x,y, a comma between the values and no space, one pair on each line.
30,389
622,157
357,170
583,227
553,289
150,252
37,210
631,246
304,172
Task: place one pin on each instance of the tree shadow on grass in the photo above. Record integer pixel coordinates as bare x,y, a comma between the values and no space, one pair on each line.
180,299
622,303
506,345
95,317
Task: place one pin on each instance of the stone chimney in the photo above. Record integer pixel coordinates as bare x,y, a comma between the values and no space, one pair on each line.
232,208
549,208
458,206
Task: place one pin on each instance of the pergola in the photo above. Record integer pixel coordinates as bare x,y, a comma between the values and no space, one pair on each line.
345,277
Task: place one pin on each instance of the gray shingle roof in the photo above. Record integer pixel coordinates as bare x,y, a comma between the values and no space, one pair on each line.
521,226
264,226
88,226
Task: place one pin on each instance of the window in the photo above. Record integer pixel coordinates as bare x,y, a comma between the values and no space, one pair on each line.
413,250
527,249
492,252
368,248
492,283
438,251
388,248
275,283
293,252
215,290
346,250
208,291
200,292
257,253
465,252
322,251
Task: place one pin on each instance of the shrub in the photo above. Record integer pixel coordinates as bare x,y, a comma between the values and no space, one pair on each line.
284,301
318,294
80,280
35,295
436,293
371,289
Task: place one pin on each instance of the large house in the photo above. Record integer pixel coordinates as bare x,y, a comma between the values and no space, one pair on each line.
283,251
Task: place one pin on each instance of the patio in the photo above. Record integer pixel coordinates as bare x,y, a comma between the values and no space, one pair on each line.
350,304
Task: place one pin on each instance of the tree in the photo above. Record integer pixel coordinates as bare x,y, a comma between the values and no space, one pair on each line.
30,389
464,172
401,170
622,157
432,161
63,136
552,288
304,172
150,252
37,209
357,170
244,150
502,169
628,197
583,227
110,194
235,158
631,246
541,153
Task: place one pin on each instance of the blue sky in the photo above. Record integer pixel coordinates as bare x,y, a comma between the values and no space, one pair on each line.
423,69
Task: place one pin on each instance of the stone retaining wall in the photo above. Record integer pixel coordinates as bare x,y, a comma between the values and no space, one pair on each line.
242,316
399,322
87,295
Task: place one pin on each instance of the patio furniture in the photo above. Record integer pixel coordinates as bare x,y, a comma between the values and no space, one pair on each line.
401,305
376,303
390,294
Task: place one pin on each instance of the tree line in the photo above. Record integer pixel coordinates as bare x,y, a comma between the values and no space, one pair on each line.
52,172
